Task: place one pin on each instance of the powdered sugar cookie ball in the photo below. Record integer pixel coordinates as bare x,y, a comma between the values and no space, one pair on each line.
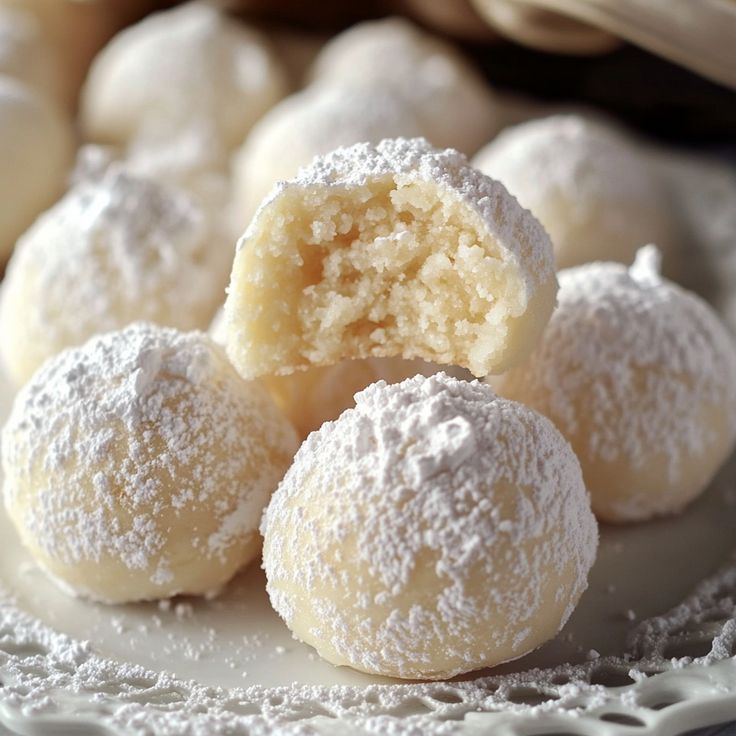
454,104
637,373
308,124
432,530
25,55
112,251
592,189
394,250
36,151
137,466
176,68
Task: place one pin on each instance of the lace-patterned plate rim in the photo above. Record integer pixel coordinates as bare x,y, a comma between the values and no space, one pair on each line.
49,680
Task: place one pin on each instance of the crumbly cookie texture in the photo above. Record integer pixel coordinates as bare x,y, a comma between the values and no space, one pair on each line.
433,529
454,105
114,250
36,152
591,186
397,249
137,466
637,373
183,67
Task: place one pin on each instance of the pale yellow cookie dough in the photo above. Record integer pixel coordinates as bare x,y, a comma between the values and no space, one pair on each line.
185,66
455,105
591,187
638,374
36,153
391,250
137,466
114,250
433,530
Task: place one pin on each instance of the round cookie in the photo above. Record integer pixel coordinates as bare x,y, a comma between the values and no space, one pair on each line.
36,151
113,251
420,535
454,104
25,54
308,124
637,373
137,465
176,69
591,187
394,250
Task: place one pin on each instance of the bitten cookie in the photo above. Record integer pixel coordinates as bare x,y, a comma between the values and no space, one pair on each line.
397,249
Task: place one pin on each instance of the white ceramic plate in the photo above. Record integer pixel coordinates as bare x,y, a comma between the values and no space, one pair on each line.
650,648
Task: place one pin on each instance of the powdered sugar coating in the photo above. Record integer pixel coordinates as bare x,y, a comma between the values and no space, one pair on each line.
454,105
137,465
178,68
590,185
432,530
638,374
115,249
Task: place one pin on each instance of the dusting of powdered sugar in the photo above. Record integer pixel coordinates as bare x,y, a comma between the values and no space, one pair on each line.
519,235
428,469
658,354
455,106
117,248
110,443
594,165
